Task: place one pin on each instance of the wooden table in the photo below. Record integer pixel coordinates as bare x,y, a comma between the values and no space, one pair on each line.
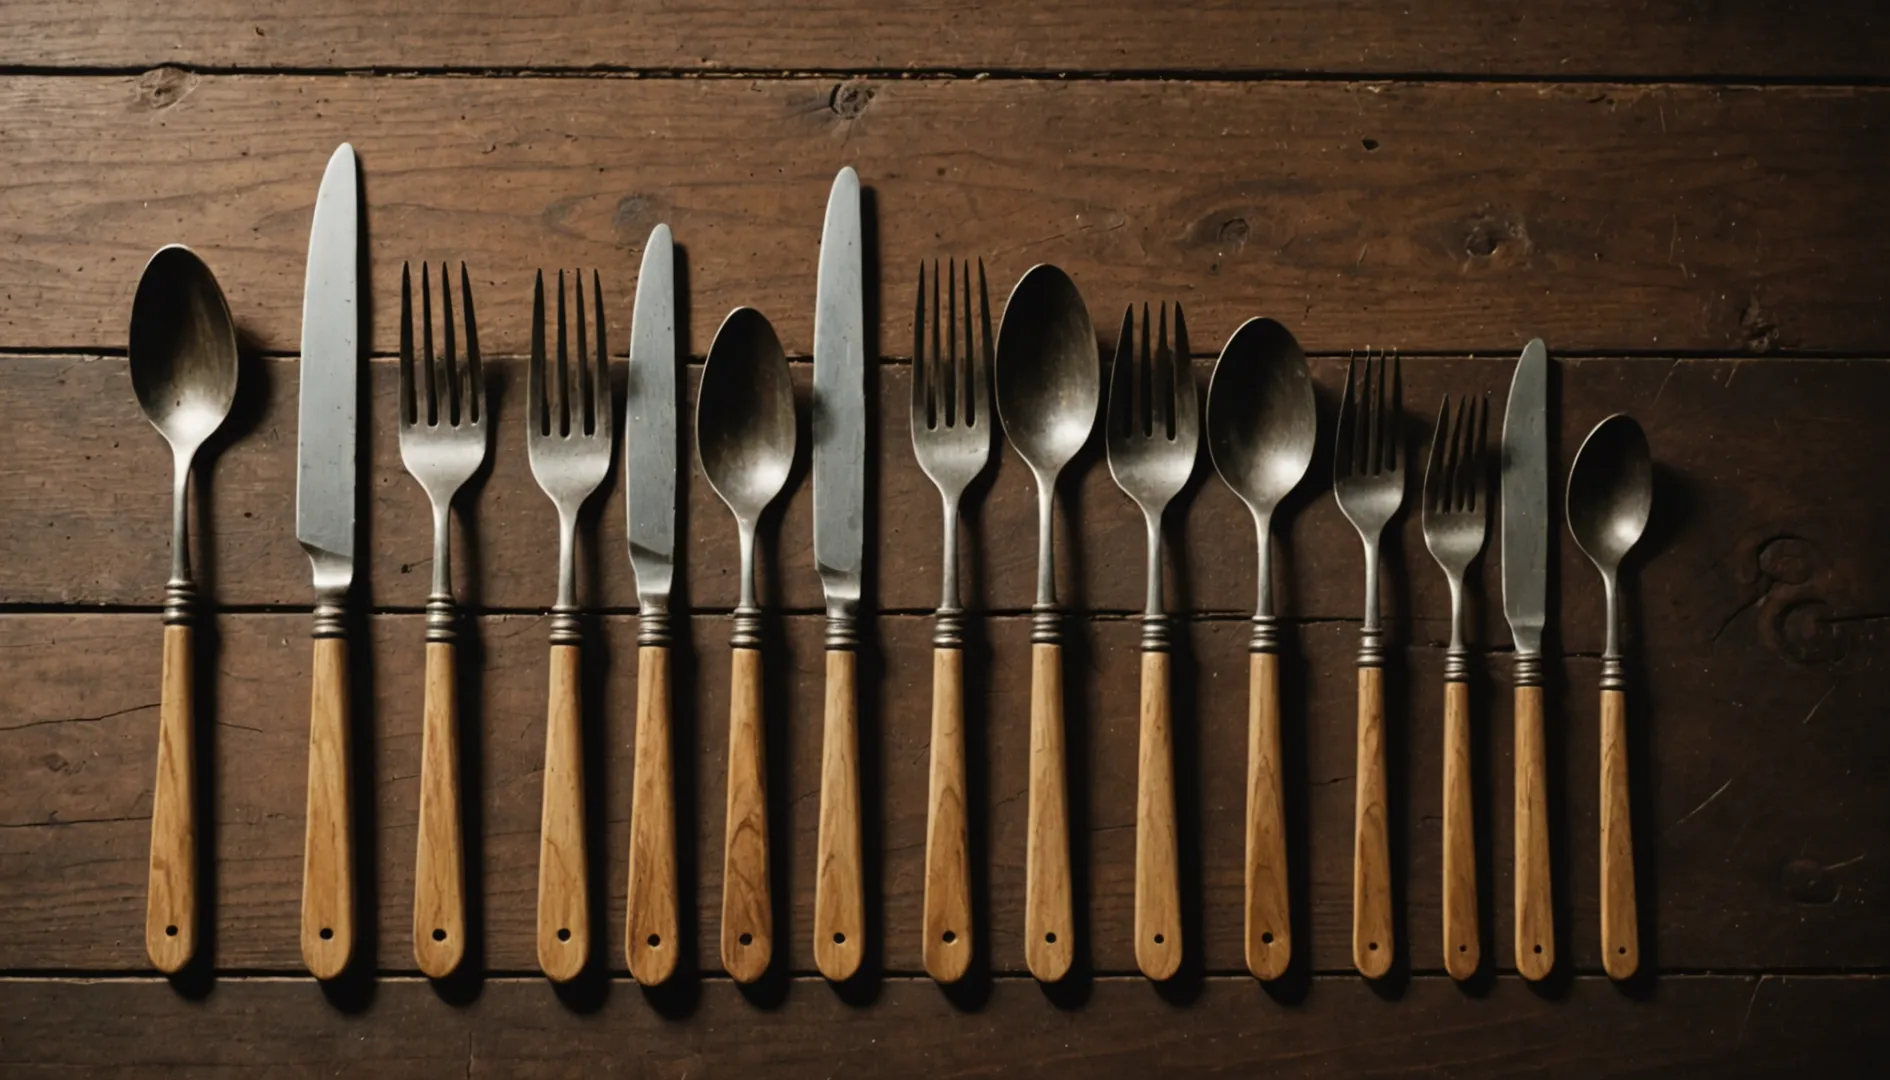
1686,201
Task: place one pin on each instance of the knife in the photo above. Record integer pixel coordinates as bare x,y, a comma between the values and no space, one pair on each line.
839,504
651,941
326,450
1525,475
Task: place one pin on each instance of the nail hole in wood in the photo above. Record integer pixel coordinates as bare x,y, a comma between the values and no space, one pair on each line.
1538,950
564,934
1050,938
1622,950
948,937
656,941
327,933
746,939
439,934
1463,948
1158,939
1266,938
1373,946
171,931
839,938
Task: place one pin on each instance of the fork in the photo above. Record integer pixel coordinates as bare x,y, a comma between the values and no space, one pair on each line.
951,437
1368,481
443,443
1152,434
568,435
1456,518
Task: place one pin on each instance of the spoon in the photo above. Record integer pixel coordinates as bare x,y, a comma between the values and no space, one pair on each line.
1610,493
1261,428
745,435
1049,382
183,368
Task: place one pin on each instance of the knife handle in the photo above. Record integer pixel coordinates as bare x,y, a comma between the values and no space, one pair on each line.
1157,878
839,907
170,914
651,943
564,918
1049,936
439,903
1620,932
1269,921
1462,945
1372,945
1535,913
327,853
747,901
947,922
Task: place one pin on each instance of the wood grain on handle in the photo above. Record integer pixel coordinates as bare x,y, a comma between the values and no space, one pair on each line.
170,914
327,852
651,941
1535,912
947,922
1620,930
1157,875
1463,948
1371,853
747,903
1269,924
439,901
564,917
839,903
1049,932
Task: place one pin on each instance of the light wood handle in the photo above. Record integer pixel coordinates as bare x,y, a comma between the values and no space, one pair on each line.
1372,947
947,946
1049,933
1535,912
1157,877
839,905
1269,924
1620,931
1462,945
170,913
651,942
564,917
747,903
327,853
439,903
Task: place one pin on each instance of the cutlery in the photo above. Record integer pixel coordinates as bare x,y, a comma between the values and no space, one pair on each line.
745,435
1610,494
568,437
1368,480
951,437
183,368
839,506
1525,541
1456,518
1152,435
1262,423
651,944
326,457
1048,383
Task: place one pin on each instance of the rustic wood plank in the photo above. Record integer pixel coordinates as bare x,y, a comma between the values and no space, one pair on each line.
1428,216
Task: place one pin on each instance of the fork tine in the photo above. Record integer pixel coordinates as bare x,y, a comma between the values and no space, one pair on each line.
451,399
536,406
968,407
948,360
1435,465
557,385
604,402
426,346
475,375
583,408
1476,433
1160,382
1454,478
1372,403
406,346
1184,415
934,363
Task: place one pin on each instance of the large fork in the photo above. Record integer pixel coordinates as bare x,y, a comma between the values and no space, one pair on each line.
1368,480
568,436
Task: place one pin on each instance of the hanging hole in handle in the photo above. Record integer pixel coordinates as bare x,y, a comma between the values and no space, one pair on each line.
1158,939
439,934
564,934
171,931
1538,950
746,939
1050,939
1373,946
839,938
948,937
1266,938
655,941
327,934
1622,950
1463,948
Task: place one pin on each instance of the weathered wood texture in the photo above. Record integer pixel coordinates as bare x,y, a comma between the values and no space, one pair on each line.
1425,216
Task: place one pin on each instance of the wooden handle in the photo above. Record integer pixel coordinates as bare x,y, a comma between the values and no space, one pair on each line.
1269,929
439,903
327,854
170,913
1049,932
1371,852
1462,944
1620,931
651,942
947,946
1535,913
1157,877
564,917
839,905
747,903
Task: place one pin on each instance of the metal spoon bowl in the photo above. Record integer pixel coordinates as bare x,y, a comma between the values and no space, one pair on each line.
1610,492
1048,370
183,349
745,427
1262,422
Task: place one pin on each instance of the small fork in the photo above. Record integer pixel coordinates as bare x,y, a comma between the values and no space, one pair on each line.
568,436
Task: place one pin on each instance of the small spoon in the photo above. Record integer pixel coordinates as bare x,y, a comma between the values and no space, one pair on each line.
1610,493
1262,424
745,435
183,368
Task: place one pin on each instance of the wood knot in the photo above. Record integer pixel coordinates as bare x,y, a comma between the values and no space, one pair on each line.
849,99
163,87
1234,233
1481,242
1788,559
1807,882
1761,331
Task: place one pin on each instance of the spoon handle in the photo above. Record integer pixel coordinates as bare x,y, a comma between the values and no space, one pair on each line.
1157,879
170,917
1620,933
439,904
651,943
1371,864
564,918
747,902
1535,912
327,853
1049,938
1462,944
839,907
1269,932
947,923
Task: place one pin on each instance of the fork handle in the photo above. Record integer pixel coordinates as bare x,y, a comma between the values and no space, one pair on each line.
439,904
839,906
327,852
170,914
651,943
1620,932
747,901
564,918
1269,922
1157,878
1462,943
947,923
1049,934
1372,945
1535,912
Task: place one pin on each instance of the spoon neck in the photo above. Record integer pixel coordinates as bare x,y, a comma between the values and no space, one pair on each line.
180,592
1613,677
1046,547
1263,532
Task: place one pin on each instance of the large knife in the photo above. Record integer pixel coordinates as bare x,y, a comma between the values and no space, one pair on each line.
651,942
326,451
1525,540
839,538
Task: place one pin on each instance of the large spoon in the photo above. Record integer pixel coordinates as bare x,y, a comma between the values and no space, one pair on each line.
1049,383
745,435
183,367
1262,425
1610,493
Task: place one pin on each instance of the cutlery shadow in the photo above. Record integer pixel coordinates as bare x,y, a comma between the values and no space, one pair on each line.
1484,701
1395,608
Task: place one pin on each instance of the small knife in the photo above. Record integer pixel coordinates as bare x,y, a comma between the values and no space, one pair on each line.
839,430
1525,540
326,452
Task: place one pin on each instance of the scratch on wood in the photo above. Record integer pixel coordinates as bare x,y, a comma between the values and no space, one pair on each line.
79,719
1750,1002
1671,368
1820,704
1853,861
1703,805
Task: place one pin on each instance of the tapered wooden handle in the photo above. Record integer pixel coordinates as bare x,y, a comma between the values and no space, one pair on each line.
1535,912
651,943
839,904
170,913
747,903
1049,931
1157,876
1269,929
327,852
564,916
1620,930
1372,947
439,902
1462,944
947,947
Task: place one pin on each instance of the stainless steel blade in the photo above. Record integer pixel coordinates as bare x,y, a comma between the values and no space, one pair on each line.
840,400
1525,474
326,446
649,445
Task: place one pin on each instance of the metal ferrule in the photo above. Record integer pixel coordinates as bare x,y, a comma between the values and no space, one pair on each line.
442,619
1155,632
330,616
1456,664
1266,635
1046,625
1528,671
1371,647
180,600
1613,673
747,632
949,631
565,628
843,631
653,629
